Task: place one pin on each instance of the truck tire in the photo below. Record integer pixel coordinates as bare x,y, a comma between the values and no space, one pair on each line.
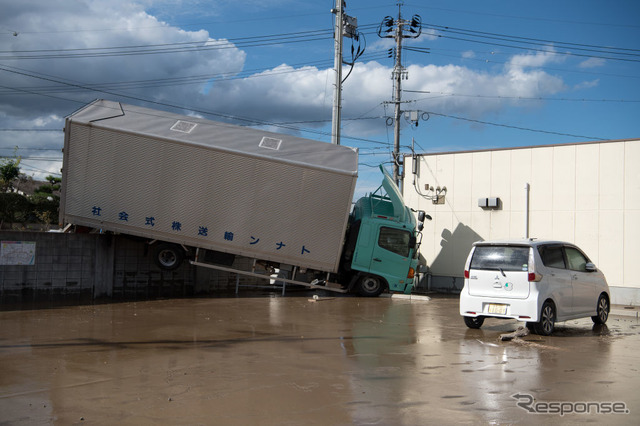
168,256
370,286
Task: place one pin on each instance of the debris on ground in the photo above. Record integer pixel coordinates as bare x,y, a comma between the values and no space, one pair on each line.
520,332
317,298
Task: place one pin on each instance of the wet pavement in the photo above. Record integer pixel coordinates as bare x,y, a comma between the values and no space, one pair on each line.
289,360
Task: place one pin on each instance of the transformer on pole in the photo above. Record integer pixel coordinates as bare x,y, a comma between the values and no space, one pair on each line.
345,26
390,28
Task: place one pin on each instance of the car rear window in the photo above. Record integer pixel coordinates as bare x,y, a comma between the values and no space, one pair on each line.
507,258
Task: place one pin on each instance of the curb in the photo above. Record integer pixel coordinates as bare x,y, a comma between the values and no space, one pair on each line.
625,311
411,297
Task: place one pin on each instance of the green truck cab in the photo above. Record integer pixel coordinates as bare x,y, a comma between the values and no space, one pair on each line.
381,248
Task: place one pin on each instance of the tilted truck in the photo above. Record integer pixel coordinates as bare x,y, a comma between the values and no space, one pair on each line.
208,191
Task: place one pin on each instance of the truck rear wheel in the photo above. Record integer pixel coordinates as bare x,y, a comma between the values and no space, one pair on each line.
168,256
370,286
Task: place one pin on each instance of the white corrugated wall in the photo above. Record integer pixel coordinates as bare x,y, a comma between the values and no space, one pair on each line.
586,193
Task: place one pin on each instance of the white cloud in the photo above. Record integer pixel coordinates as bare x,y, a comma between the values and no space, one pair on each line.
46,27
587,84
592,63
283,93
538,59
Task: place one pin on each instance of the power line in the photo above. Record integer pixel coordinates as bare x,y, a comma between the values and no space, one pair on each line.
186,80
526,18
56,159
523,98
306,36
178,47
491,61
31,149
537,41
137,98
536,49
244,20
515,127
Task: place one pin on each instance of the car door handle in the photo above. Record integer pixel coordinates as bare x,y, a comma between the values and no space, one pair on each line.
375,259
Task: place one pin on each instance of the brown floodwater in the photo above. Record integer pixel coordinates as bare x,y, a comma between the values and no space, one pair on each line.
266,360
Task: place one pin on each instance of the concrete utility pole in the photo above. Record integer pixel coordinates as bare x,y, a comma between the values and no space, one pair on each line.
399,73
337,65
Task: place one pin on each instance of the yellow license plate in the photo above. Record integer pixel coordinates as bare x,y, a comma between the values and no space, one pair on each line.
498,309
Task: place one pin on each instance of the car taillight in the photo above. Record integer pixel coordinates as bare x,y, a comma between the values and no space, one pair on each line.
466,274
534,277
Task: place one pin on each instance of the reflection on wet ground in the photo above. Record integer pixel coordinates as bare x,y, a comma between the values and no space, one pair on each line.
290,360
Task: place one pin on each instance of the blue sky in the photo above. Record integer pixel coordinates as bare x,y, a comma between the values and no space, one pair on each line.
498,74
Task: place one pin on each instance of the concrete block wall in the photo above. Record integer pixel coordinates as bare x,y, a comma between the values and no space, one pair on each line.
65,268
80,268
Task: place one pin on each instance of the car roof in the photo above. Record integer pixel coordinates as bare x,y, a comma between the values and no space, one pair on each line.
529,242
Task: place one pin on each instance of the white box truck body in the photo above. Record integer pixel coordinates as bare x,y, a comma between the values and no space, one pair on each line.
207,184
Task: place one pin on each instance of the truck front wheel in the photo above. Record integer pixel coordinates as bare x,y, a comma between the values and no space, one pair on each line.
370,286
168,256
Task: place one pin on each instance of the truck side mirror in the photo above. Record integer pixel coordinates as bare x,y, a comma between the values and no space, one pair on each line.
420,226
421,215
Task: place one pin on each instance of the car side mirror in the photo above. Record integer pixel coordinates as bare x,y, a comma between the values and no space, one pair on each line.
590,267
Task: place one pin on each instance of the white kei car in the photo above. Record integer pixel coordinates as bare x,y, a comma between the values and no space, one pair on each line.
540,282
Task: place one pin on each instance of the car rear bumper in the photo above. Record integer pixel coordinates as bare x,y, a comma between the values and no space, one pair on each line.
519,309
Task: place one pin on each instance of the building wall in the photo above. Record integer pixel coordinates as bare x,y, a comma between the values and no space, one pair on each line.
587,193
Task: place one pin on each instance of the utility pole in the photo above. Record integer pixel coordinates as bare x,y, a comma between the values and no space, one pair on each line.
338,33
398,74
398,27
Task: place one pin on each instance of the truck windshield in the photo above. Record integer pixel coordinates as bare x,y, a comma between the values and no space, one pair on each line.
395,240
507,258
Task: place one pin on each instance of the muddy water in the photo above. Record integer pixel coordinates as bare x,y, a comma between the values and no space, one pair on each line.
288,360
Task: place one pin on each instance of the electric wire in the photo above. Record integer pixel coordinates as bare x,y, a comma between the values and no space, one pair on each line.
261,41
250,121
186,80
515,127
522,98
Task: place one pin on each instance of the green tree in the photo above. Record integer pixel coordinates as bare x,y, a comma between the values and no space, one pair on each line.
46,201
9,170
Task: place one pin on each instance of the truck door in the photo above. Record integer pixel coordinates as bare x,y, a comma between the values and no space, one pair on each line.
390,255
364,248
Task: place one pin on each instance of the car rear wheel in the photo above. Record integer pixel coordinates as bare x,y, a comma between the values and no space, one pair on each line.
474,322
602,311
547,320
